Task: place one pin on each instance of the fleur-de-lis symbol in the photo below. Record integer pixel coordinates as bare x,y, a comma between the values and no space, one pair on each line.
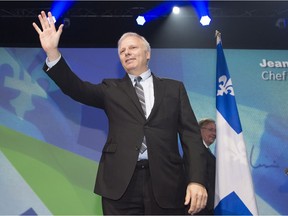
225,86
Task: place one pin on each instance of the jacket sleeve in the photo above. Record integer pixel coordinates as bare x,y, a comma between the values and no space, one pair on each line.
190,136
71,85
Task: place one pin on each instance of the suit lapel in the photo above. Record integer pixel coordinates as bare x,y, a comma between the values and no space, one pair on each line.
128,88
159,90
211,154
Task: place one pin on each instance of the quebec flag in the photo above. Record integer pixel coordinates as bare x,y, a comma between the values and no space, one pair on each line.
234,193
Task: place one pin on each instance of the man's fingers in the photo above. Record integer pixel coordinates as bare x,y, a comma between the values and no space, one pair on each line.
36,28
192,200
204,201
47,22
187,198
196,205
199,204
60,29
192,208
51,20
43,20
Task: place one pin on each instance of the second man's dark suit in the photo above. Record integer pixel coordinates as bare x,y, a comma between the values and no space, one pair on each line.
171,114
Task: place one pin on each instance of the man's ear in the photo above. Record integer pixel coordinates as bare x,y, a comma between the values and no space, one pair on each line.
148,55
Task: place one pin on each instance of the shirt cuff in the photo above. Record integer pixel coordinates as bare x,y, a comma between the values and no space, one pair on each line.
50,64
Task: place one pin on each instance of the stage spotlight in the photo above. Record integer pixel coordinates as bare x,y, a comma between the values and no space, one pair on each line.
205,20
160,10
176,10
140,20
202,10
59,8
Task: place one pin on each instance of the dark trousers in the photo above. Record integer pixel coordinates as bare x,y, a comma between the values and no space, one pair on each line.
138,198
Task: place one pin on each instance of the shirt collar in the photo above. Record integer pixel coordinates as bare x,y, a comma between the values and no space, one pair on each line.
205,144
145,75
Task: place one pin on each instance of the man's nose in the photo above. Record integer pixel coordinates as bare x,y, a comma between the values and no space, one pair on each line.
127,52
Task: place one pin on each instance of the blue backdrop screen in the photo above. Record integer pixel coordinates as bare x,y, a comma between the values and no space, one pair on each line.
32,105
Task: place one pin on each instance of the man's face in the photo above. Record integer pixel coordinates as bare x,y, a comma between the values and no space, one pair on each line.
133,55
208,133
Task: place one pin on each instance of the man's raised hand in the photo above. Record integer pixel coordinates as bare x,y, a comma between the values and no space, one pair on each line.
48,35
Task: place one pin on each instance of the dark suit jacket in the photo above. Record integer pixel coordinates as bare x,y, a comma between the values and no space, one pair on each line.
171,114
210,182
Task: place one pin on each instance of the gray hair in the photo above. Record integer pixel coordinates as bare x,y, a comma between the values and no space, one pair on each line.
205,121
127,34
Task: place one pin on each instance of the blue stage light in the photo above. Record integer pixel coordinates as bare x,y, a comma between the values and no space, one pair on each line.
59,8
202,10
176,10
205,20
160,10
140,20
